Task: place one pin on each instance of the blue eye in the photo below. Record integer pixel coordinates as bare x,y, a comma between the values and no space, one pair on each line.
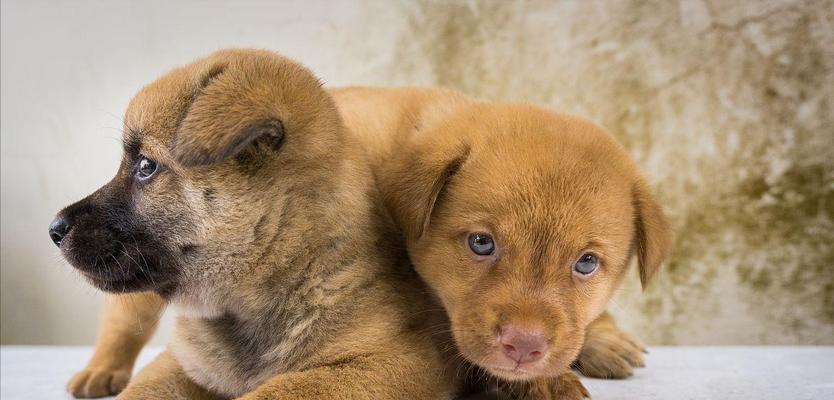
481,244
586,264
145,169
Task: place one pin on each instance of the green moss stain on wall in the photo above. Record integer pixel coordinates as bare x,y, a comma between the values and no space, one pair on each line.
727,107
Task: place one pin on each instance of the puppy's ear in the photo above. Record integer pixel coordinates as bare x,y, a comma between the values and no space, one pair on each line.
414,182
653,235
244,96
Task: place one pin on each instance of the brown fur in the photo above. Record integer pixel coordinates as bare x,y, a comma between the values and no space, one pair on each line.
548,187
263,231
547,182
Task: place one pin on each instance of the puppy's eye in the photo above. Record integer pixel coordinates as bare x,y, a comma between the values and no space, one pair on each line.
586,264
481,244
145,169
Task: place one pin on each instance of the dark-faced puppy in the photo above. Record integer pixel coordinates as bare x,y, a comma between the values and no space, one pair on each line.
242,201
521,220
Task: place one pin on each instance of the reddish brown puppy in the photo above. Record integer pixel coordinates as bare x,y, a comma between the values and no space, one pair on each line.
522,220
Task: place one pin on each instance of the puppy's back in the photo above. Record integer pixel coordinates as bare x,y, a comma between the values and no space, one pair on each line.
381,118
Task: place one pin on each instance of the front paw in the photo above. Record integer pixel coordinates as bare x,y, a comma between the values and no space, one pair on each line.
564,387
98,382
612,354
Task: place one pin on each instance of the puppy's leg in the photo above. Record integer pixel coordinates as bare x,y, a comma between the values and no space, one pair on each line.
609,352
400,376
564,387
129,321
163,378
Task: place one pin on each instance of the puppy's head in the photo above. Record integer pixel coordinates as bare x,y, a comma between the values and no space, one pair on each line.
523,222
210,151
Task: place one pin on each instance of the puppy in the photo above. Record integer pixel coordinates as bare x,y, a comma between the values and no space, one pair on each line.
242,201
522,221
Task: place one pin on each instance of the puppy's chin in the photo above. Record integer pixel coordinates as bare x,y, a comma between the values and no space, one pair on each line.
120,285
548,368
499,366
513,373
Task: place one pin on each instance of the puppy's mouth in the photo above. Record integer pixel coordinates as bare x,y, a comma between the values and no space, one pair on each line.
113,266
511,370
516,372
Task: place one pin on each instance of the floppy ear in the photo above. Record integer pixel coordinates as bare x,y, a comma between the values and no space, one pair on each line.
412,184
246,95
653,235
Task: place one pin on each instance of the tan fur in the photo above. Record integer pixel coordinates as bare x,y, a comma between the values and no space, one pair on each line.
129,321
288,284
522,171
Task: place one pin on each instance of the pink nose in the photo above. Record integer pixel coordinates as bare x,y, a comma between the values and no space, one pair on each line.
523,346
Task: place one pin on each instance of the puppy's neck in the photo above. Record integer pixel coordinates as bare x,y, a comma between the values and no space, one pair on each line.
195,308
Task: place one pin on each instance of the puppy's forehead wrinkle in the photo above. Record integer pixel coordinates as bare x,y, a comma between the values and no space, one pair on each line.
203,81
211,73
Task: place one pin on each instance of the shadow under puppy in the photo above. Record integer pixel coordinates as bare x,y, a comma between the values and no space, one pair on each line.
242,201
522,221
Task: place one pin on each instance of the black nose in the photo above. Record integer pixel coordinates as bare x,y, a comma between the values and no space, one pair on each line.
58,229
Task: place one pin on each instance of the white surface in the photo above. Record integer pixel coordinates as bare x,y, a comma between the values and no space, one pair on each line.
761,373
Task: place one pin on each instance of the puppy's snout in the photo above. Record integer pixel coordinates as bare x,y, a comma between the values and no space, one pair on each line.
58,230
523,346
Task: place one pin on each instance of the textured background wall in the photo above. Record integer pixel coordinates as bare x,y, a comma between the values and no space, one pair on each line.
726,105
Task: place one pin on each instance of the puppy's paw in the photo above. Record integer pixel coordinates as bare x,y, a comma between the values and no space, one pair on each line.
564,387
610,354
98,382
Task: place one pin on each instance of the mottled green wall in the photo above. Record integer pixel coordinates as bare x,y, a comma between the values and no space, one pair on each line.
727,106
